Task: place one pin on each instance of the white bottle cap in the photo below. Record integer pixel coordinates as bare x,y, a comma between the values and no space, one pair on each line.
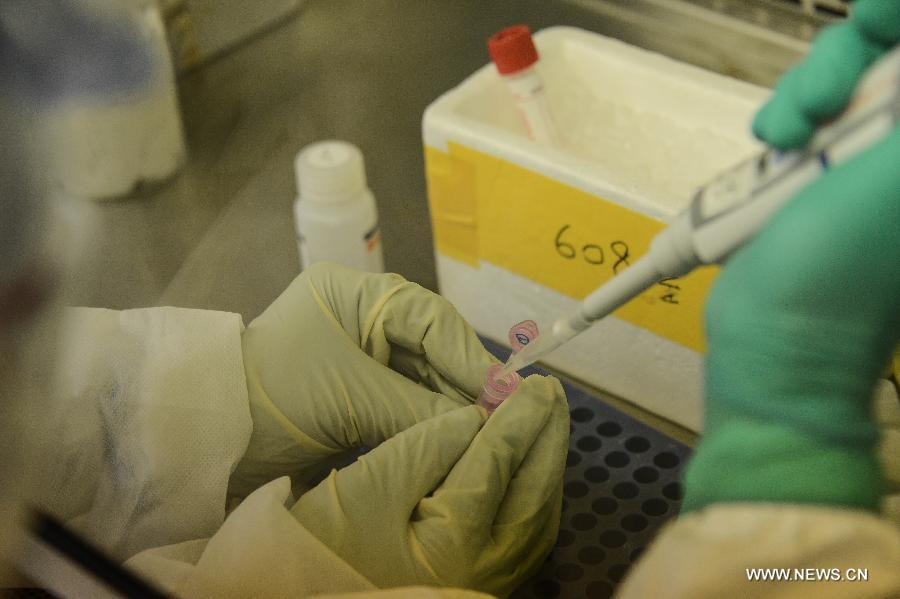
330,171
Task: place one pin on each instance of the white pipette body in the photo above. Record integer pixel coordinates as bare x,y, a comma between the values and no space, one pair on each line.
731,209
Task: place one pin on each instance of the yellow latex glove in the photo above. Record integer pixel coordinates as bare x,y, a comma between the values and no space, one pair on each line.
344,359
446,504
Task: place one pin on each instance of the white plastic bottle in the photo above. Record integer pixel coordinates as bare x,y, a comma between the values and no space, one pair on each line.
335,213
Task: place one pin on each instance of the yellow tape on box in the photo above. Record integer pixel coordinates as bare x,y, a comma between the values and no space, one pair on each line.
486,208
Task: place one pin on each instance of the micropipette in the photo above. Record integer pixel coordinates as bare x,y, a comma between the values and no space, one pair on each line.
734,206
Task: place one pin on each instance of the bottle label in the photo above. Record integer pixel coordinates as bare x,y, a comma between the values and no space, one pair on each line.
372,238
374,258
364,254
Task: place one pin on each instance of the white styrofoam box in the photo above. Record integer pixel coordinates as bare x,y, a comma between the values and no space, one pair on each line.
642,132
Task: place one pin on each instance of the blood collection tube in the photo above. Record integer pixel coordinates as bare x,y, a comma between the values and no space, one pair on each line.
498,386
515,57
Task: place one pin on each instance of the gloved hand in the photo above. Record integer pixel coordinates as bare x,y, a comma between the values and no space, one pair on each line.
803,319
344,359
820,87
444,503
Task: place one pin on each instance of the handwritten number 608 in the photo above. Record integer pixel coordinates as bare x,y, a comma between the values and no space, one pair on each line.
592,253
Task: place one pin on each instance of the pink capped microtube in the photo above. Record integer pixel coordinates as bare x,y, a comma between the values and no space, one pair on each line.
497,388
522,334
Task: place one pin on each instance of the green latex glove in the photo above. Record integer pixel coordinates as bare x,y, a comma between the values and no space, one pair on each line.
819,87
803,319
450,502
344,359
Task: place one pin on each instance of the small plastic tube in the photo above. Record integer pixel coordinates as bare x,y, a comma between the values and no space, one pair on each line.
497,388
522,334
497,385
515,57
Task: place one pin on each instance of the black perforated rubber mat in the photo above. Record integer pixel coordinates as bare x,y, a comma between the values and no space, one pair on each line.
621,485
